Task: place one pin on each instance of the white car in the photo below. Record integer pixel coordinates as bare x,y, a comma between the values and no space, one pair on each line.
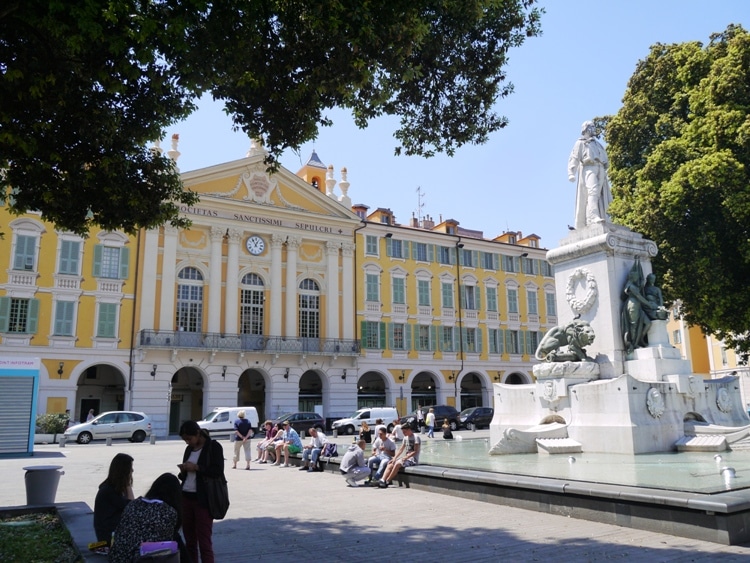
135,426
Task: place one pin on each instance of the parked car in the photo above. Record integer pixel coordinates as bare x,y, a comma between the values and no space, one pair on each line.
441,413
476,417
368,415
302,421
221,420
135,426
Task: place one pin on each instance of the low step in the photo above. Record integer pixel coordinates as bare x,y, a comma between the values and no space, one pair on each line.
558,446
701,444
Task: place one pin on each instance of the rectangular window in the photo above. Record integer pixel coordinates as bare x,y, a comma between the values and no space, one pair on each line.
492,299
496,341
251,311
397,250
444,255
69,253
447,339
371,245
467,258
398,341
489,261
420,251
551,305
533,342
512,300
529,266
423,342
371,334
399,290
547,269
372,281
470,345
107,324
512,341
25,257
309,316
423,293
470,297
64,312
509,264
111,262
447,294
532,302
18,315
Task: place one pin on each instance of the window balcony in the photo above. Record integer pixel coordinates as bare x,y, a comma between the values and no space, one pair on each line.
214,341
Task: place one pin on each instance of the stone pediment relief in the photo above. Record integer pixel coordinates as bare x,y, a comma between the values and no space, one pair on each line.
256,186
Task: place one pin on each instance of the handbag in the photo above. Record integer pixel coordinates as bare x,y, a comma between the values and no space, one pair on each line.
217,493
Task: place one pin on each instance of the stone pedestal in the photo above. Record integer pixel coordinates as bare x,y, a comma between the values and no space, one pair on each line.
591,268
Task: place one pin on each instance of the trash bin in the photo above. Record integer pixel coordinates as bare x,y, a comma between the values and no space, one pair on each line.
41,483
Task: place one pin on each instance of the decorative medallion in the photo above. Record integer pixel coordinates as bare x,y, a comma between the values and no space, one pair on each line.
550,393
723,401
655,403
580,306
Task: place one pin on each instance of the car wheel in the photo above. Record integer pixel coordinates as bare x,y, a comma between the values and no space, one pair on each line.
84,438
454,425
139,436
350,430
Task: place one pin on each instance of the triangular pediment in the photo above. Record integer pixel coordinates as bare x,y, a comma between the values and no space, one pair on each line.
247,184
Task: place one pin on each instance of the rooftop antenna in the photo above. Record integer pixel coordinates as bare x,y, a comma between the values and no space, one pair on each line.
420,203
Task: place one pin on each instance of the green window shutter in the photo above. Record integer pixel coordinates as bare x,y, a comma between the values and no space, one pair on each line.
383,337
107,319
407,337
462,296
480,337
32,317
452,254
478,299
98,261
496,261
413,251
4,313
390,336
456,340
64,318
363,333
430,252
475,259
433,338
388,250
124,263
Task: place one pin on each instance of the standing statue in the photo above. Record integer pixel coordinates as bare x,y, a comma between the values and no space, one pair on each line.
589,161
634,321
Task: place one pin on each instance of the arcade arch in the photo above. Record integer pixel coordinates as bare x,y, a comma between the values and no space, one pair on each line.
186,391
423,390
371,389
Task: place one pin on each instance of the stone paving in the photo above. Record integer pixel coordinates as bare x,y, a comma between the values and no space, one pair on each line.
282,514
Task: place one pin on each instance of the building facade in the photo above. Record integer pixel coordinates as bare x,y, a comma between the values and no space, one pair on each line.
281,296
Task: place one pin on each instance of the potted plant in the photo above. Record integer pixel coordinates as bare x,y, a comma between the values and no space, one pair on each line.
48,426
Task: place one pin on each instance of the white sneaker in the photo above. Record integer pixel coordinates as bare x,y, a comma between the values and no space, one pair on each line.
351,482
277,463
286,465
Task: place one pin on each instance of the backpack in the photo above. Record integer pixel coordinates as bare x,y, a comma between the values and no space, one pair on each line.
330,450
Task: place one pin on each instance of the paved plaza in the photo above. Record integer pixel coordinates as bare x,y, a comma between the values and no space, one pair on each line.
282,514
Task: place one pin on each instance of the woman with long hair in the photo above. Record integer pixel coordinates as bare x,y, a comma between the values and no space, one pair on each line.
203,457
114,494
154,517
364,433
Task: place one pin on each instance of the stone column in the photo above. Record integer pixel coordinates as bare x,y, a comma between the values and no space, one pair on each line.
168,275
347,291
332,295
231,299
290,313
214,280
148,283
277,241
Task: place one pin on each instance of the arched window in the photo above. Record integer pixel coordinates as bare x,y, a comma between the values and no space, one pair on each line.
190,300
252,304
309,309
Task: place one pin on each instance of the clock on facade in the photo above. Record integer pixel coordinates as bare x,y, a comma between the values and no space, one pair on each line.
255,245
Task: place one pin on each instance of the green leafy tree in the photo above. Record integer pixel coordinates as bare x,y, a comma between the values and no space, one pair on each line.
680,171
84,86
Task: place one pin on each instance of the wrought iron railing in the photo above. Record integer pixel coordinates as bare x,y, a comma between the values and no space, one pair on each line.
174,339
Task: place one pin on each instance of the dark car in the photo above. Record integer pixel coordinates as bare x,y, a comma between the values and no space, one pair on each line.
442,412
302,421
476,417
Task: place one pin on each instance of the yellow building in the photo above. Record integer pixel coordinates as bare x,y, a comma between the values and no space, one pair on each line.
444,313
69,301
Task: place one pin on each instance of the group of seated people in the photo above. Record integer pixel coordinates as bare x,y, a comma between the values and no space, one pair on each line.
284,441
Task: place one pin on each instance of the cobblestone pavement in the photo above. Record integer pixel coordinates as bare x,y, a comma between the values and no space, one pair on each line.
282,514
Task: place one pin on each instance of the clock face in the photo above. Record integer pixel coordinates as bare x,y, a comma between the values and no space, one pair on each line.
255,245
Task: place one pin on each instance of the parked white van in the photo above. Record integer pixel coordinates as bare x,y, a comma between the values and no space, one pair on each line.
221,419
352,424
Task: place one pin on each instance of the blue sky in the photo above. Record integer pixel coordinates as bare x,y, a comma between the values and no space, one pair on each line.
517,181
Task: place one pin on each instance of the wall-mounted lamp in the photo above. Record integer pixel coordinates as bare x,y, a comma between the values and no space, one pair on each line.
60,369
224,372
388,235
460,245
497,377
403,374
286,374
344,376
524,255
153,370
452,376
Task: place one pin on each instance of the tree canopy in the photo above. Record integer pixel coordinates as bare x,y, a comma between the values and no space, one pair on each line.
680,171
85,86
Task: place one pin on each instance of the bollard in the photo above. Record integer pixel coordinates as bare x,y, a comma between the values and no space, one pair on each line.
473,427
62,441
302,435
153,439
335,432
109,440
